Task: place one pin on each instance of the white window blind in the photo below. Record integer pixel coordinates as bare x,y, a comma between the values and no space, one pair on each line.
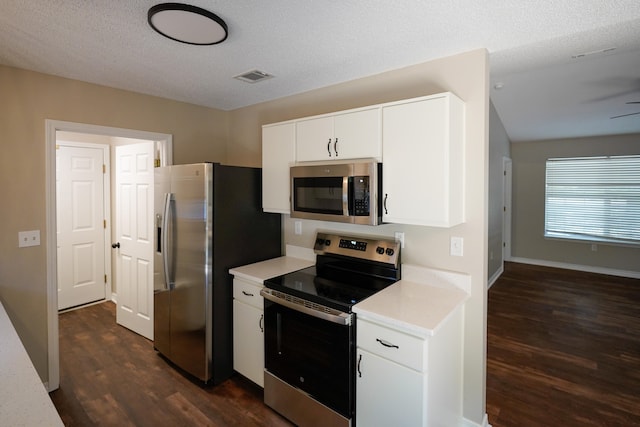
593,198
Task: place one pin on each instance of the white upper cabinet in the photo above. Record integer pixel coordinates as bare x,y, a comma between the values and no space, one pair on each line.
420,142
278,152
347,135
423,161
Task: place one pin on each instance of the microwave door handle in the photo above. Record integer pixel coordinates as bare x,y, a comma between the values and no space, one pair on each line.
345,196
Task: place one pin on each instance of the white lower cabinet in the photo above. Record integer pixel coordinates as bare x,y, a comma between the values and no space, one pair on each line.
248,330
407,380
388,394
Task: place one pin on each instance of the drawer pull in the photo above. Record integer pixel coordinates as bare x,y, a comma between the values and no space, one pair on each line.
386,344
261,323
247,293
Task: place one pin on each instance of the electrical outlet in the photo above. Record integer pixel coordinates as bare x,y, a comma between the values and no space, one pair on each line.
456,246
28,238
297,227
399,235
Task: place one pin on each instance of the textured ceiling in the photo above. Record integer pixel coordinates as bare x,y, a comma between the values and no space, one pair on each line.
307,44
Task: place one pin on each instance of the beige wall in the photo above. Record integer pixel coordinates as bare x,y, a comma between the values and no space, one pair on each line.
499,148
28,99
467,76
528,203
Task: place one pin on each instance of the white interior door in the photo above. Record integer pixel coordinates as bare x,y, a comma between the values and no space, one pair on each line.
80,224
134,234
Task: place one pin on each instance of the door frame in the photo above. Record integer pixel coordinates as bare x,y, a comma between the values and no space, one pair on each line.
507,167
106,189
164,147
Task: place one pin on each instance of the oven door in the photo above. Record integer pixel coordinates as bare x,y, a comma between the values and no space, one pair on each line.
312,354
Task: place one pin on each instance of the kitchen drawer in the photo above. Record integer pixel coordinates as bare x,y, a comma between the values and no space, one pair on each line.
248,293
392,344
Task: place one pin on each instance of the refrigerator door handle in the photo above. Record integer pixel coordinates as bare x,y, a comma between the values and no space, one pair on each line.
168,198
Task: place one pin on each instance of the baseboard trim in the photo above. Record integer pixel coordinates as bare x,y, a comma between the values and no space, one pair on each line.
495,276
468,423
578,267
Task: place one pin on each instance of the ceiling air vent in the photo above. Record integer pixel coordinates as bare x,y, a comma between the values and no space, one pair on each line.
253,76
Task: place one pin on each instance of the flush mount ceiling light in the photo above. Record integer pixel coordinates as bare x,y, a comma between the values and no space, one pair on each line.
187,24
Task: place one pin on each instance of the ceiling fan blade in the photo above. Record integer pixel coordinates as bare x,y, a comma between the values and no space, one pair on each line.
624,115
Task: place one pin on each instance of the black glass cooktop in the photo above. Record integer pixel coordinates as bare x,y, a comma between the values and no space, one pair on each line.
330,286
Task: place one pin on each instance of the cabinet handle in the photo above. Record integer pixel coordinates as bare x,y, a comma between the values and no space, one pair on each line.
386,344
386,212
261,323
247,293
359,371
335,147
329,147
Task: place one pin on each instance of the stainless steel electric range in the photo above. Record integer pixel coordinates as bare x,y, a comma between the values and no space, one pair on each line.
310,328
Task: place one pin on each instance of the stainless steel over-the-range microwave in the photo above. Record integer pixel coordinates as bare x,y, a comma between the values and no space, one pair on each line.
341,192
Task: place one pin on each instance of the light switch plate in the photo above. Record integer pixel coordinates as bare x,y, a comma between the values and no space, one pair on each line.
28,238
456,246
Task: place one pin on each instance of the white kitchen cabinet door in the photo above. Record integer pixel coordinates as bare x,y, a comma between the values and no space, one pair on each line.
342,136
423,161
314,139
248,341
388,394
278,152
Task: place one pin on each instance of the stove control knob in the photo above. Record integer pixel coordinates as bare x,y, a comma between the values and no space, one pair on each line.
327,242
380,250
390,251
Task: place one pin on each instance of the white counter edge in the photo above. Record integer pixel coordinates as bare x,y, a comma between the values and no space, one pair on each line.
23,397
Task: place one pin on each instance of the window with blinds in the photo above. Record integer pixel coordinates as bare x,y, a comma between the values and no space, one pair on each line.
593,198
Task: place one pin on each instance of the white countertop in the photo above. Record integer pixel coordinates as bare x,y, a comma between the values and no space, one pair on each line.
23,399
263,270
419,303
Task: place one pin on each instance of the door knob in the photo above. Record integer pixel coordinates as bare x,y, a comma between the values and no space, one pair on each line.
115,245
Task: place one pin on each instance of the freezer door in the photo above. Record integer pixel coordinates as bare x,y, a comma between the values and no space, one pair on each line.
161,294
190,315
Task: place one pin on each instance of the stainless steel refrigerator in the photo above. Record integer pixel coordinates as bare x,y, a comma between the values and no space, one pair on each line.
208,218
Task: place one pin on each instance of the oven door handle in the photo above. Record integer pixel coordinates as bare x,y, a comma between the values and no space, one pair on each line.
338,317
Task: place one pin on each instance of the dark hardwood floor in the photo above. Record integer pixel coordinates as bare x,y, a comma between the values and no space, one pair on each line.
113,377
563,349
